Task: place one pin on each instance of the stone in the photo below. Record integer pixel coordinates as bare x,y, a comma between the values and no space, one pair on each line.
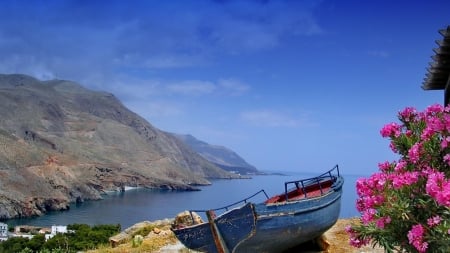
186,218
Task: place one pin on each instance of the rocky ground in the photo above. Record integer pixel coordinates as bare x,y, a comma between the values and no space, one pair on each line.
160,239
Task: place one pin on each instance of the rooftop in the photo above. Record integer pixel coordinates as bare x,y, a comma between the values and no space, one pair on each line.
437,77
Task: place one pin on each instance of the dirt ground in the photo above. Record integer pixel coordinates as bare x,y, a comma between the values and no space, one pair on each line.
338,239
162,240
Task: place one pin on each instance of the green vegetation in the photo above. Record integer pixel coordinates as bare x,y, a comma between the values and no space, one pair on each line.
83,237
144,230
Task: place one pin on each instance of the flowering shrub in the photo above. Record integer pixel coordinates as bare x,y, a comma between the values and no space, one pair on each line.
405,207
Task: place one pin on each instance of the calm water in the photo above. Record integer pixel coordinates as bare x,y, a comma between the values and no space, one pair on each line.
135,205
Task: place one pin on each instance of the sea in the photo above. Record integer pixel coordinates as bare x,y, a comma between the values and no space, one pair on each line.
135,205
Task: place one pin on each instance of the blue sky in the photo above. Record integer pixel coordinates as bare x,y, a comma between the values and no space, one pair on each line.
288,85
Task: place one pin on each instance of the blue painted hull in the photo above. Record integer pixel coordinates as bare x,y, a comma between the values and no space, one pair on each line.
235,226
267,227
281,227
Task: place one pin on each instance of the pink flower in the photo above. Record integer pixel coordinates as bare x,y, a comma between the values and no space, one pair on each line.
408,114
445,142
438,187
355,240
368,216
399,167
433,109
415,238
393,147
427,133
384,167
433,221
404,179
390,130
447,159
423,142
381,222
414,152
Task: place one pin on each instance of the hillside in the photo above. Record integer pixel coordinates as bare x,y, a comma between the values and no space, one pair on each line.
61,143
219,155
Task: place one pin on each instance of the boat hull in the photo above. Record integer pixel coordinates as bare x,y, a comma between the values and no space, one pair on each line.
236,226
273,226
282,227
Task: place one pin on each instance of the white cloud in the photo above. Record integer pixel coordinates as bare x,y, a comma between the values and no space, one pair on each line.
26,65
268,118
155,109
192,87
234,87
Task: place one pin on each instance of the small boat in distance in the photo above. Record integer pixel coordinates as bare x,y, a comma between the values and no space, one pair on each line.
303,212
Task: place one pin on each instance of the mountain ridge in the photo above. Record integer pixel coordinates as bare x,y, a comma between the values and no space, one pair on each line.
221,156
62,143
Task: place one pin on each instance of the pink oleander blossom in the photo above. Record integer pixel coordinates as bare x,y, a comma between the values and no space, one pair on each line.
384,167
389,130
415,238
404,179
445,142
368,216
393,147
381,222
433,109
414,152
447,159
400,166
433,221
438,187
409,196
355,240
427,133
408,114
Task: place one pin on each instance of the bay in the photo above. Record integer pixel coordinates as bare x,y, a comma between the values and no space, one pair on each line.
141,204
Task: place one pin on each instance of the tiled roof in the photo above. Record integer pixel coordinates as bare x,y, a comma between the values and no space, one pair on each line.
439,69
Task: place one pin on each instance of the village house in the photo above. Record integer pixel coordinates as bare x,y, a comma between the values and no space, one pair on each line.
26,231
3,231
55,230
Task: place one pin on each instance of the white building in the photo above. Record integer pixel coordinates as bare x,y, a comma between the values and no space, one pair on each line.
55,230
3,231
59,229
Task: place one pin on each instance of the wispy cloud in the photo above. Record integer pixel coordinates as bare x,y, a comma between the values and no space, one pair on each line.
270,118
235,87
379,53
67,38
155,109
223,87
192,87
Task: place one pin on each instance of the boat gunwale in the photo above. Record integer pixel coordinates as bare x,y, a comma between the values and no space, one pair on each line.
325,192
311,209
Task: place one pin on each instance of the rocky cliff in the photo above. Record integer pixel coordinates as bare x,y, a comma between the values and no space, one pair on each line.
219,155
61,143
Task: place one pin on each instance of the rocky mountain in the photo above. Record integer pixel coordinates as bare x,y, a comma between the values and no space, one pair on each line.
219,155
61,143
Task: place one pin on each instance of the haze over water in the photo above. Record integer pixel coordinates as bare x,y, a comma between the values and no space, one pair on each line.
136,205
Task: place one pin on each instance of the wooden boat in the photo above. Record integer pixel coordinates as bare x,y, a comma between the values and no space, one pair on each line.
304,211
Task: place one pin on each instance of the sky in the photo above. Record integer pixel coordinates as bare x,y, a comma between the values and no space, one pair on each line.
288,85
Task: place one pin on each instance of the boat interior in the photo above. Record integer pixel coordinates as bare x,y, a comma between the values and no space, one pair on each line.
300,191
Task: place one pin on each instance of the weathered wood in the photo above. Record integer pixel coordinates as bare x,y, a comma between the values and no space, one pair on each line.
272,226
438,74
218,240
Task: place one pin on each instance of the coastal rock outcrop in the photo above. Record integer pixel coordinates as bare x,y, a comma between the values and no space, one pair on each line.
186,219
